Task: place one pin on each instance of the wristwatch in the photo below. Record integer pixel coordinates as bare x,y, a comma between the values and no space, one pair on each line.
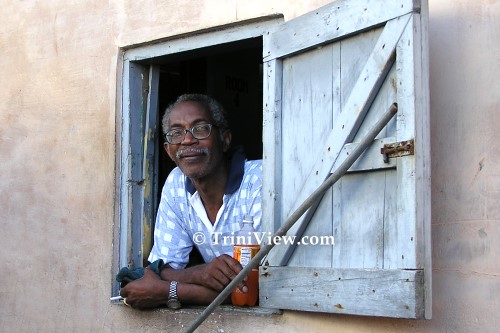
173,301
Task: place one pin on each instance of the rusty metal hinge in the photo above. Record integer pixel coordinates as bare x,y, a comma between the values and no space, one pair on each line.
397,149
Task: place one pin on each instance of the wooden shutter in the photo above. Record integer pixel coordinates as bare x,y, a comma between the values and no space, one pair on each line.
139,162
329,75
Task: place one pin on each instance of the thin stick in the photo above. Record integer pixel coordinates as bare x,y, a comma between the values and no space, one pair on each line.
316,195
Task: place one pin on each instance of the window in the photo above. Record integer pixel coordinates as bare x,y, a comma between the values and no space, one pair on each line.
324,79
225,63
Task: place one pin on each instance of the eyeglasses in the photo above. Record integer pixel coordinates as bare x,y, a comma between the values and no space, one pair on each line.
177,135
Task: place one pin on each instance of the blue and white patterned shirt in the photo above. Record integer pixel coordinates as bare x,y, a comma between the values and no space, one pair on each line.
182,221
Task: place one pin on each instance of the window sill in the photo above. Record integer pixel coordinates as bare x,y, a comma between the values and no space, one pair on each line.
222,309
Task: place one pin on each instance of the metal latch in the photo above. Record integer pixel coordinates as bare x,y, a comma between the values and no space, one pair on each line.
397,149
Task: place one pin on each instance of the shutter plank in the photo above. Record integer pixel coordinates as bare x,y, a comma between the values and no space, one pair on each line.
400,238
139,86
333,21
388,293
359,228
414,240
308,82
423,145
271,135
371,159
150,162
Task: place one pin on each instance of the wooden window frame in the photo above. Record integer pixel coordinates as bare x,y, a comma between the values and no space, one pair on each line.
137,83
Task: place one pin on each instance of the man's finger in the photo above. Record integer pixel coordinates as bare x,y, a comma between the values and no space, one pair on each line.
233,268
220,280
232,264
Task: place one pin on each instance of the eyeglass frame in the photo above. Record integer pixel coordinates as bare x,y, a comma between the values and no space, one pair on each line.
190,130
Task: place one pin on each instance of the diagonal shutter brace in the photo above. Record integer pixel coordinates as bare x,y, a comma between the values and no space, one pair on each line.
314,197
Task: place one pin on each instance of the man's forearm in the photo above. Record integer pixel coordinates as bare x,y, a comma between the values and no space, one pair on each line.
195,294
151,291
189,275
189,289
215,275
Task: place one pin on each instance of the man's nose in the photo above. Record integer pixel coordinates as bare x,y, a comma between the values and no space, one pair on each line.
189,138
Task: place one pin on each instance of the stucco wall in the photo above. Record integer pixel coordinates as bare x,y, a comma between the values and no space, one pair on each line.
57,130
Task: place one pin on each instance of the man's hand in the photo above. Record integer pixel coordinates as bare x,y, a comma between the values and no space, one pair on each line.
215,275
220,272
147,292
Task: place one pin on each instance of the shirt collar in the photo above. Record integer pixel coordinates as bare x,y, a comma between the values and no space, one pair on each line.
236,172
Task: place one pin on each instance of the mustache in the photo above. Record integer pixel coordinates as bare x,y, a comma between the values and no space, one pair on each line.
184,151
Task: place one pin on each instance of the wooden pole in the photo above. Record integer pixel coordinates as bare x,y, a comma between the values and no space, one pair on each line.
316,195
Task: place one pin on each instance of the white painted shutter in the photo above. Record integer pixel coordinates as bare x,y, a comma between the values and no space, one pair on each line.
328,77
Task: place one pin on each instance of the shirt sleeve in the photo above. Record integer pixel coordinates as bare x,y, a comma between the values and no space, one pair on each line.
172,242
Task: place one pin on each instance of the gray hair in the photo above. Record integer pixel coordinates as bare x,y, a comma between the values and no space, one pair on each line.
214,108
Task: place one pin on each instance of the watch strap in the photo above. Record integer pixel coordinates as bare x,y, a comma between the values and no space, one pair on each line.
172,292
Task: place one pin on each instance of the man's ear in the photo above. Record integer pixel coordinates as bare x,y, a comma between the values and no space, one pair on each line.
166,146
227,136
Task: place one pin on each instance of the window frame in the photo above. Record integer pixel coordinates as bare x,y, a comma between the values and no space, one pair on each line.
137,83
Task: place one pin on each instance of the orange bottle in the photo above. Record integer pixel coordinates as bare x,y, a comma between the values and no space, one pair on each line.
245,248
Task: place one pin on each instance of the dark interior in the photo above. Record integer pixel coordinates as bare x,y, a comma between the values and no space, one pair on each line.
232,74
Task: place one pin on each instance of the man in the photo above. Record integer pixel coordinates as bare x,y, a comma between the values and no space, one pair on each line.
203,203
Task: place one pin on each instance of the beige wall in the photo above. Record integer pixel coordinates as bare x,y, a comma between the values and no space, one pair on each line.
57,114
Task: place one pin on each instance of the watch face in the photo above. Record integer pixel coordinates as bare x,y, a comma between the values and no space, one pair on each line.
174,304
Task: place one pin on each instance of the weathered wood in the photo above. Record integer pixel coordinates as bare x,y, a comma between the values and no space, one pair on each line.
198,39
333,21
123,209
367,85
393,293
310,87
401,245
423,147
139,86
371,159
423,161
119,129
359,230
150,161
271,135
372,214
386,95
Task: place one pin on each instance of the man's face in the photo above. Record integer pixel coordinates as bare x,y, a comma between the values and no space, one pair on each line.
196,158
